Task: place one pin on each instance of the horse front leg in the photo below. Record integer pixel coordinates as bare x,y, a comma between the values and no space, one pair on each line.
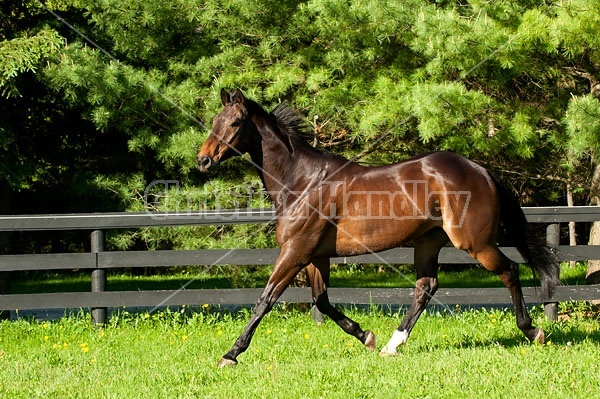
427,249
424,290
318,274
286,268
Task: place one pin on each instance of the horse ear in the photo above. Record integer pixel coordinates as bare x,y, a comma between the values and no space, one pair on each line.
225,97
237,97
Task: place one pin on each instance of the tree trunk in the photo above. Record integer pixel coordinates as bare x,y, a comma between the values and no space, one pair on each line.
593,270
572,231
4,243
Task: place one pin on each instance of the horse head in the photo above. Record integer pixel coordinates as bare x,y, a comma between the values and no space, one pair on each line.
227,138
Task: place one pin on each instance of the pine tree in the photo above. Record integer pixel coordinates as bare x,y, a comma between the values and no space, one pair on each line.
501,82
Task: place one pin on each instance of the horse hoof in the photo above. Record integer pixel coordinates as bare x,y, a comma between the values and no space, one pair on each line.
540,336
226,363
386,353
370,341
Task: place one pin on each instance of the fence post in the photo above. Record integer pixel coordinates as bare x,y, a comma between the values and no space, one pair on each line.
98,276
553,241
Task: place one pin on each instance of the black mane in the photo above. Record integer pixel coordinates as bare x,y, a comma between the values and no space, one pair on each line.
292,123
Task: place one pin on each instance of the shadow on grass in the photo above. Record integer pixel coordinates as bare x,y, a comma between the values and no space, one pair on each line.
569,333
561,334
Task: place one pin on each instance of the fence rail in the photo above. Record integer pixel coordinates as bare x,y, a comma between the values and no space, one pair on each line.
100,261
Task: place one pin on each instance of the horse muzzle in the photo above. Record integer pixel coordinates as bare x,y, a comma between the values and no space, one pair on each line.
205,163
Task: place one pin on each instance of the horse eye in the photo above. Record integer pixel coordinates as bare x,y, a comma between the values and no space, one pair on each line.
236,123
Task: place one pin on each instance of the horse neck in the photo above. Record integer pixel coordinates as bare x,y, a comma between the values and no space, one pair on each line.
274,159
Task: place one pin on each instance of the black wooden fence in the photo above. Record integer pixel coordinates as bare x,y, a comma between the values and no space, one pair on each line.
99,262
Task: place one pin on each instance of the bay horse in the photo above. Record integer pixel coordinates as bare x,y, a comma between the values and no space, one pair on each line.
328,206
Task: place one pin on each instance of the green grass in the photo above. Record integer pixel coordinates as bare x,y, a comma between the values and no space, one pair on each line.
173,354
234,277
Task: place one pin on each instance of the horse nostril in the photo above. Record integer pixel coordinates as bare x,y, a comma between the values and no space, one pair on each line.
204,163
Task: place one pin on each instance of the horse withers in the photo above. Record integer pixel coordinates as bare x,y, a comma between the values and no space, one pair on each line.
328,206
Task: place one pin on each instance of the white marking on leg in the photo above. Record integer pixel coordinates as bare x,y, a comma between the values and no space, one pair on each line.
398,338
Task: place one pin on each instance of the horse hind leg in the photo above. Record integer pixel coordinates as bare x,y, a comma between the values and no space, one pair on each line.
318,274
495,261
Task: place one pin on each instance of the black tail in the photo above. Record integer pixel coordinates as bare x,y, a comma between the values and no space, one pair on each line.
538,254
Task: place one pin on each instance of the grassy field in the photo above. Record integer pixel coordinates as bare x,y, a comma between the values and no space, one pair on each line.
173,354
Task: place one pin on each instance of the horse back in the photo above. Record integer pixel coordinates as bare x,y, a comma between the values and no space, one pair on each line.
384,207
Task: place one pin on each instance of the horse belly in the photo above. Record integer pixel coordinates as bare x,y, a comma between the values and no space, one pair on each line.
355,237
